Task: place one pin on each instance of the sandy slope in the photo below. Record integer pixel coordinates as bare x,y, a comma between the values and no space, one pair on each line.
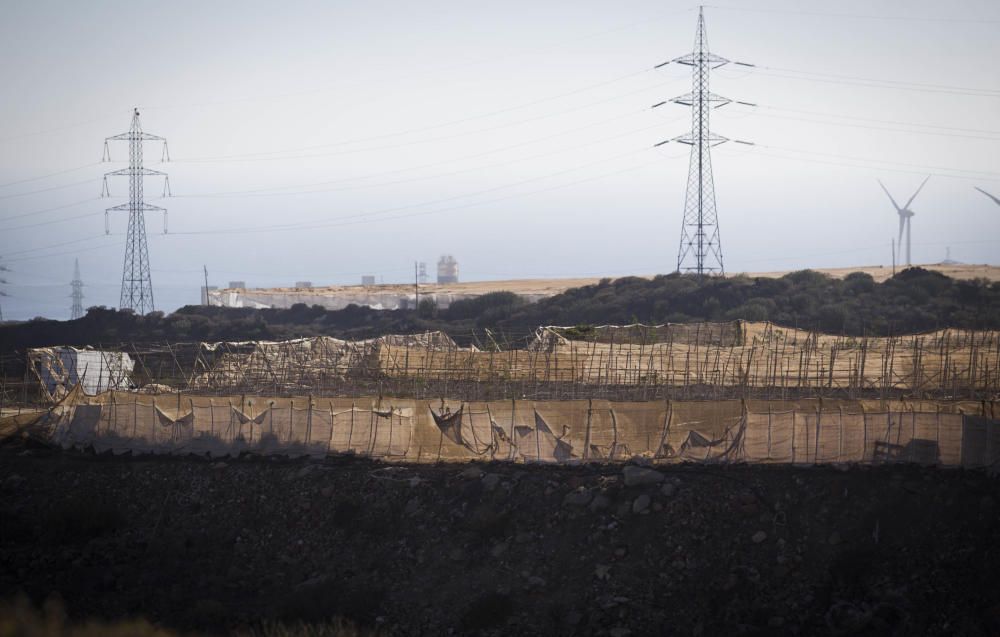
547,287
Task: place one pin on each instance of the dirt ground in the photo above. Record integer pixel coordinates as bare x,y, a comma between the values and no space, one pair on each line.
551,287
210,547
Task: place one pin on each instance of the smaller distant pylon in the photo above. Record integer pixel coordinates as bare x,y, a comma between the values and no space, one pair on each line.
77,295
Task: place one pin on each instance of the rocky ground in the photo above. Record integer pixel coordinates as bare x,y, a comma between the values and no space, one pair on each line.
201,546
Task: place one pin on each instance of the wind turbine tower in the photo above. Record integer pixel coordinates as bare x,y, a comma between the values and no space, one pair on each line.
77,295
905,216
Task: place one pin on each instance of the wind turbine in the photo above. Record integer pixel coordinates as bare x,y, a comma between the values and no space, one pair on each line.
905,215
995,199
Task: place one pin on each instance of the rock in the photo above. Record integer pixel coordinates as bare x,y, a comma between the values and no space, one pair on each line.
491,481
412,506
637,476
456,555
472,473
759,537
669,489
535,582
600,502
776,622
14,481
619,631
415,482
602,572
305,471
326,492
834,539
579,498
219,465
641,504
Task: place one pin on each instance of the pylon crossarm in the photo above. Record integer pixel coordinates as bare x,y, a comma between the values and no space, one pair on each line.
694,59
711,139
689,99
127,172
135,136
128,207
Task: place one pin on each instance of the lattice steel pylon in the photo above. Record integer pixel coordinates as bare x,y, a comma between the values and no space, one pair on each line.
77,295
700,245
137,285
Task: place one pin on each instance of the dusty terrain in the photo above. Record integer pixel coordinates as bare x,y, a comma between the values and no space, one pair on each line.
391,296
209,547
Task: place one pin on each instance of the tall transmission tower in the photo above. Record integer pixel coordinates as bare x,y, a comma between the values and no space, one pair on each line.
137,285
701,245
3,281
77,310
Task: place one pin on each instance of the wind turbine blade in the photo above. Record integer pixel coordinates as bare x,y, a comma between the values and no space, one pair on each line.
907,206
996,200
902,225
894,204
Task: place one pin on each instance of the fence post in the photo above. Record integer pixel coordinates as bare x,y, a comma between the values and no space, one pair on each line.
769,430
350,433
840,416
793,436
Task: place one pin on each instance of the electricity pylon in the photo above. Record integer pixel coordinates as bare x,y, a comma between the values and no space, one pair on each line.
77,295
700,245
137,285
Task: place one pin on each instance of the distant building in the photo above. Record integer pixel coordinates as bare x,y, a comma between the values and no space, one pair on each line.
422,272
447,269
368,279
205,291
240,285
303,284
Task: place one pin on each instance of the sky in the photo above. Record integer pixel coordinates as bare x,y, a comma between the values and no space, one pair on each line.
323,141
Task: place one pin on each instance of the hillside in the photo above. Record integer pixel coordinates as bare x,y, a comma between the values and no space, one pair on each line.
915,300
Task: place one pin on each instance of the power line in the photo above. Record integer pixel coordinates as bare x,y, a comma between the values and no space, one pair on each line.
365,217
855,16
257,193
59,172
260,156
50,222
871,127
880,161
881,121
875,83
53,130
512,52
50,189
386,173
59,254
43,211
851,163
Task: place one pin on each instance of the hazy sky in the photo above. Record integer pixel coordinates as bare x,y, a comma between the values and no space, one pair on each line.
325,140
